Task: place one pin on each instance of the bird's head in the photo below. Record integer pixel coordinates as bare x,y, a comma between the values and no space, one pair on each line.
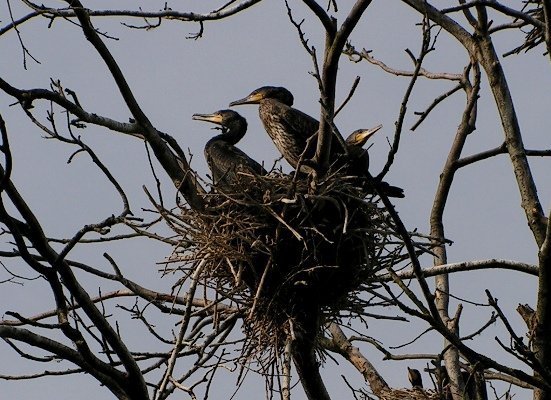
228,121
266,92
224,118
359,137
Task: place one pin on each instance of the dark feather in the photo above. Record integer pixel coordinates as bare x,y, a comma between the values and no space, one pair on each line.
358,164
228,164
288,128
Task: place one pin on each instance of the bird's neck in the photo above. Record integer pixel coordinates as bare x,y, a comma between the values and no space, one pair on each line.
233,133
356,152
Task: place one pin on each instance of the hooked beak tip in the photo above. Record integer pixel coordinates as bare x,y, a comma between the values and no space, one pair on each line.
238,102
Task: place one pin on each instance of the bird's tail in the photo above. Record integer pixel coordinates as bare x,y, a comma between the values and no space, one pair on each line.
389,190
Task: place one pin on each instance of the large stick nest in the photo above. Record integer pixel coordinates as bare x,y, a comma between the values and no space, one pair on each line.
290,255
409,394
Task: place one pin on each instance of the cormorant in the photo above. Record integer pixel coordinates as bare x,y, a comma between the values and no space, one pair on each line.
359,157
294,133
358,161
415,378
223,158
289,128
474,385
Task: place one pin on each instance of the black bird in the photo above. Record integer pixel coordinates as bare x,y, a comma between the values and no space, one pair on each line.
289,128
475,385
224,159
415,378
358,162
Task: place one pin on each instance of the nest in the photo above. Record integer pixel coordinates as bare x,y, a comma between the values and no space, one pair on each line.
292,256
409,394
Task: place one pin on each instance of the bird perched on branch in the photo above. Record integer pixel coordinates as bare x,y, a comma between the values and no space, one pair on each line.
292,131
415,378
227,162
358,162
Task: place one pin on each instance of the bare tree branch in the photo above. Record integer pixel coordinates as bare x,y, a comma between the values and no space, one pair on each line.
335,43
467,266
482,50
339,343
178,169
497,6
109,376
167,13
546,5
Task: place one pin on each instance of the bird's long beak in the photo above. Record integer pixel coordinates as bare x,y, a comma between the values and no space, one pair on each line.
250,99
214,118
364,135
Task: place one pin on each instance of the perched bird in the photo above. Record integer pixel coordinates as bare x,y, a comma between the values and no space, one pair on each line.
295,135
358,161
224,159
474,385
415,378
442,380
291,130
359,157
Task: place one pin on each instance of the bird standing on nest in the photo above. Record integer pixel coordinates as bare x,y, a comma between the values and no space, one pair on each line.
358,161
291,130
295,135
227,162
415,378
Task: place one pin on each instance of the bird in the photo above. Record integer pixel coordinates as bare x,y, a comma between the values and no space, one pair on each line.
415,378
358,162
227,163
474,384
292,131
358,156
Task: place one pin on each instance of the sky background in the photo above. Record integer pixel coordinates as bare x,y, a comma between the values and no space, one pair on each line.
174,77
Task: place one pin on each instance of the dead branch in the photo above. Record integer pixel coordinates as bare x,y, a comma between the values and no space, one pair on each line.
177,169
340,344
467,266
